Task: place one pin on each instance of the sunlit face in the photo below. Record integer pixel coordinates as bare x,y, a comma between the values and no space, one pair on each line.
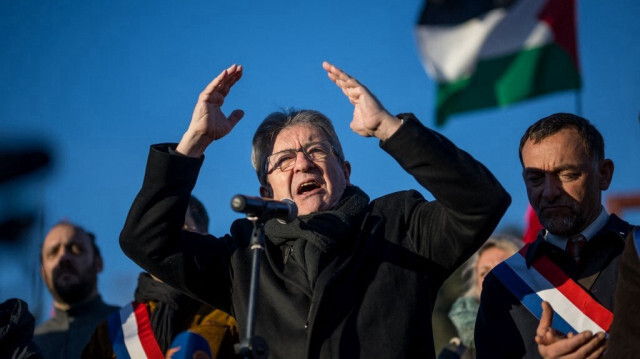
489,258
563,183
69,267
313,186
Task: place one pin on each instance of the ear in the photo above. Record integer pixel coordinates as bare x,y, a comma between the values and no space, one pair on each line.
346,168
606,173
99,264
42,270
265,191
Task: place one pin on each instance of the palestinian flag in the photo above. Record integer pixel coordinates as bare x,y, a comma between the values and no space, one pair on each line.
487,53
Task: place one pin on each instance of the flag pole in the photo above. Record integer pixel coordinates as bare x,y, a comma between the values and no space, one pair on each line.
579,102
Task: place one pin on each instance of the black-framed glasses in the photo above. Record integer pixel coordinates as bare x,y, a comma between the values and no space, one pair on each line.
285,160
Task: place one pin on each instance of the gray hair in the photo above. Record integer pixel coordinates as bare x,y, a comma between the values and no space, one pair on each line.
507,243
265,136
590,136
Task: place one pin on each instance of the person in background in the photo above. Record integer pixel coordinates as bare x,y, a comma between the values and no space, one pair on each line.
465,309
573,264
168,311
70,263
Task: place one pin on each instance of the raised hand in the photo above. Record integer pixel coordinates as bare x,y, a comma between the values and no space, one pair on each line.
553,344
208,122
370,118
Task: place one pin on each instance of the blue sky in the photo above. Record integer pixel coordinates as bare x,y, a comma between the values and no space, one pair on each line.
98,82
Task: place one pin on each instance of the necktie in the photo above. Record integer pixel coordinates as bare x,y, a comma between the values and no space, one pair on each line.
575,245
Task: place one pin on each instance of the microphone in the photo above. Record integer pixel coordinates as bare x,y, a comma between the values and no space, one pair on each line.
285,211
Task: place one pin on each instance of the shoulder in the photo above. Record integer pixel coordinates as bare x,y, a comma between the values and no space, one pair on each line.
47,326
104,309
494,293
618,226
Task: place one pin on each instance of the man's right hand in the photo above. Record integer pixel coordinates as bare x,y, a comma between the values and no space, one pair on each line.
208,123
553,344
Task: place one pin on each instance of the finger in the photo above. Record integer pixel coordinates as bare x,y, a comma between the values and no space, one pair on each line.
215,83
548,336
566,348
592,346
349,86
221,80
545,319
336,75
230,80
601,350
541,340
330,68
597,353
235,116
575,343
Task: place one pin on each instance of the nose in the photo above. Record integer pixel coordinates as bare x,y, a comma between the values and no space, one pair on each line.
303,163
64,255
551,188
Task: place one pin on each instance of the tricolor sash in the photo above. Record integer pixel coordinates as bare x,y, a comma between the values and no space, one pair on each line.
576,310
131,334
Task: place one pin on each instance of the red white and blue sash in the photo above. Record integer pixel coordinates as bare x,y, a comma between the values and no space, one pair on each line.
576,310
131,334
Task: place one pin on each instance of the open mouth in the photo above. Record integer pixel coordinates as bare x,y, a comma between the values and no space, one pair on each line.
308,186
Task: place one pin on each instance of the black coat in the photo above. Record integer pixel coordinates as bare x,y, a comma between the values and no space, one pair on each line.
506,329
375,301
625,329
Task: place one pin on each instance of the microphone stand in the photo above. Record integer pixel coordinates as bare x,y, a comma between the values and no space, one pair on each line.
252,346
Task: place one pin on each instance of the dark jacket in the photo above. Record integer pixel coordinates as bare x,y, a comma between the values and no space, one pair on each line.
625,329
373,300
65,335
506,329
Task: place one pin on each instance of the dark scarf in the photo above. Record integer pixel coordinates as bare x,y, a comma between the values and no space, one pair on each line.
312,241
172,307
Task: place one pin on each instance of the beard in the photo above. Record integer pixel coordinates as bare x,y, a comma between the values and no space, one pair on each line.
75,289
561,225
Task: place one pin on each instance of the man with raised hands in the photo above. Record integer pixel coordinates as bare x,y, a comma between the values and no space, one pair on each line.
349,277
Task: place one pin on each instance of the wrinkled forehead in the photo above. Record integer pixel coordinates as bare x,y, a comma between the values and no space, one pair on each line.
63,234
565,143
296,136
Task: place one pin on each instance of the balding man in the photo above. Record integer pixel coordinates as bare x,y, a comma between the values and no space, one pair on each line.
70,265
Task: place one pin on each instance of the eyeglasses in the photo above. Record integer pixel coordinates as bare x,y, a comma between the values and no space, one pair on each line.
285,160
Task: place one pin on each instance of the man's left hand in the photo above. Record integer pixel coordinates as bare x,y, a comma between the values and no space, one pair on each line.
553,344
370,118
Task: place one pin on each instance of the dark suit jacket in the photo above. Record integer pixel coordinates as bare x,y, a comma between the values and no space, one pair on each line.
506,329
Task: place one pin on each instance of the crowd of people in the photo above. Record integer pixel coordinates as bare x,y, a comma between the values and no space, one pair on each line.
351,276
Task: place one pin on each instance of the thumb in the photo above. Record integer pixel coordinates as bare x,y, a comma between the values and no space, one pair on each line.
235,116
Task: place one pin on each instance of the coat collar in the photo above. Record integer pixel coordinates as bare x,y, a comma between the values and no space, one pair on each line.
615,229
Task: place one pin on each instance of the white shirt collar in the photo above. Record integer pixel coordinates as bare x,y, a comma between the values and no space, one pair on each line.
588,233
